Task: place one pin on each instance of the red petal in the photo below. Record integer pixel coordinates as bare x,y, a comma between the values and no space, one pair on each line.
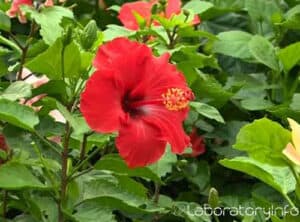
127,60
170,124
197,142
173,7
158,77
196,20
139,143
127,11
101,103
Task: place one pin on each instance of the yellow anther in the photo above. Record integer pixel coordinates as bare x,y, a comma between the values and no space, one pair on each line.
176,99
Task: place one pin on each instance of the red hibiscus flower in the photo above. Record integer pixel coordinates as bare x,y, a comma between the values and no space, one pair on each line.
197,142
16,11
142,97
143,9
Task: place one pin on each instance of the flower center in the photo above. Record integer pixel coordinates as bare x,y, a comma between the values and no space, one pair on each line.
176,99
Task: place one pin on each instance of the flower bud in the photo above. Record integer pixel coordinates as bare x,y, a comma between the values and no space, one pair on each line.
213,198
89,35
67,36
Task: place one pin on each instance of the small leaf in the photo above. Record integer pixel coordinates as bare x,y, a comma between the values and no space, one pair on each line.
16,90
5,24
295,105
233,43
115,164
18,115
114,31
165,164
264,52
93,211
197,6
49,18
207,111
290,56
53,67
256,104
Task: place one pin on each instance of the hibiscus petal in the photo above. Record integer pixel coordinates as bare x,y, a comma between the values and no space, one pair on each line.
140,143
170,123
158,76
291,153
127,11
295,133
126,58
101,104
197,142
173,7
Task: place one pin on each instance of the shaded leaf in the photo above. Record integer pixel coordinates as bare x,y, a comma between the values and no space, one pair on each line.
15,176
18,115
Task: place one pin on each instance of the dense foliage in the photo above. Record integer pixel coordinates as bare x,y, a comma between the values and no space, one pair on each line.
229,151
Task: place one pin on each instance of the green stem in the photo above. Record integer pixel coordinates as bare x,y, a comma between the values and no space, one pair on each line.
4,204
64,176
156,193
289,200
14,46
296,175
82,163
216,218
46,167
25,50
22,62
47,142
63,63
83,146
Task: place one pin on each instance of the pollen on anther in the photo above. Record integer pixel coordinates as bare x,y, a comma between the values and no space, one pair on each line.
176,99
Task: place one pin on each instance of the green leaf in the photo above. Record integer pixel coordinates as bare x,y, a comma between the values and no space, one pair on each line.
261,10
94,211
114,31
15,176
263,140
46,205
18,115
295,105
75,123
16,90
197,6
165,164
207,111
115,164
49,18
198,173
207,88
264,52
292,18
279,177
5,24
289,56
126,191
256,104
72,61
233,43
53,67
